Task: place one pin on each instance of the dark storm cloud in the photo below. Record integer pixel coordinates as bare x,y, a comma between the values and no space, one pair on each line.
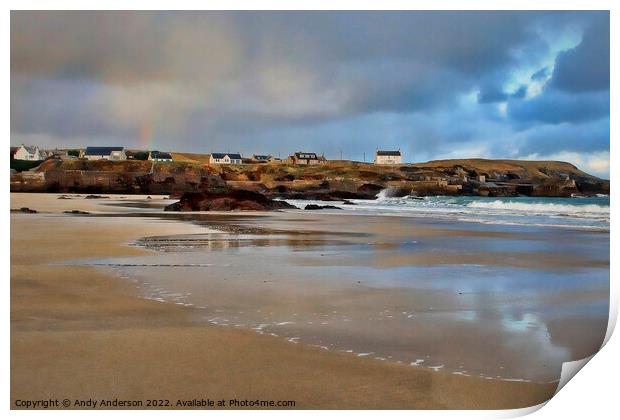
541,74
585,67
579,86
144,45
364,61
555,107
66,108
201,81
588,137
494,94
491,94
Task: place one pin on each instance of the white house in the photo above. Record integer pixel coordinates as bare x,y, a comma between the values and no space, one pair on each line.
388,157
28,153
225,158
107,153
160,156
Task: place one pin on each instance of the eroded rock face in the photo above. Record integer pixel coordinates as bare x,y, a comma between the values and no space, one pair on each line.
227,200
332,181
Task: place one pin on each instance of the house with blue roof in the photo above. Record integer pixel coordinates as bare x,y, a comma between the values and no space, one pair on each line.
104,153
225,158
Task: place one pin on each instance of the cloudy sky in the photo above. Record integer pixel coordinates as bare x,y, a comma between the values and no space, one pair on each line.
531,85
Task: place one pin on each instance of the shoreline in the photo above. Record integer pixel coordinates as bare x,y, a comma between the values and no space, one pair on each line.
46,316
357,208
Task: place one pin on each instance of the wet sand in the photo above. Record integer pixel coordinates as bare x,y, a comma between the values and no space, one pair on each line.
78,332
356,287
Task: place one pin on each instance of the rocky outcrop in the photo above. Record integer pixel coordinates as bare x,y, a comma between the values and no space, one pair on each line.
227,200
24,210
332,181
319,207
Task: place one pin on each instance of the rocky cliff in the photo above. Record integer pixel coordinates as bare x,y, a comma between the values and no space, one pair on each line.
333,180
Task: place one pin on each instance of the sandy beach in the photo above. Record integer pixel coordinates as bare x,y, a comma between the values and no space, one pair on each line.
79,332
307,209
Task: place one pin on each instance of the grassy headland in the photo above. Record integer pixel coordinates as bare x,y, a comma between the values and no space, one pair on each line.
331,180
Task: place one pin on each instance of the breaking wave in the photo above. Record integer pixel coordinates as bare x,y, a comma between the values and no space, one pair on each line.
541,208
577,212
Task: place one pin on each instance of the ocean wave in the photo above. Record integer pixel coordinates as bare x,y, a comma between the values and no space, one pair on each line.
579,226
586,212
542,208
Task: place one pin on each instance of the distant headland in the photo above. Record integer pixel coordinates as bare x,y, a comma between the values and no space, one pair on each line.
303,175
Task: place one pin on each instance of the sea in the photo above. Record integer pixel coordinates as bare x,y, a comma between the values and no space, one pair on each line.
570,212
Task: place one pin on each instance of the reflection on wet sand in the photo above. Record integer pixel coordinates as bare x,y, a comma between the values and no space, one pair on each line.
493,302
215,241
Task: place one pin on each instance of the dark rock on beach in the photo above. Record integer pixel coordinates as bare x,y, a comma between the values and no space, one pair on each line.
227,200
319,207
326,195
75,212
93,196
23,210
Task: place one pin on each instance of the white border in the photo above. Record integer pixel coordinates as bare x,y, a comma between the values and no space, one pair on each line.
592,394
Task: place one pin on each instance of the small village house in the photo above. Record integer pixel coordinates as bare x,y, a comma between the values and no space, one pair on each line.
57,154
137,154
104,153
388,157
262,158
304,158
225,158
160,156
29,153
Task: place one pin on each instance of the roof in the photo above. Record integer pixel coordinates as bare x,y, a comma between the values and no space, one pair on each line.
388,152
262,157
304,155
222,155
102,151
160,155
30,149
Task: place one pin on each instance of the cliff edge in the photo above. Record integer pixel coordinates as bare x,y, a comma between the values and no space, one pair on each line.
332,180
